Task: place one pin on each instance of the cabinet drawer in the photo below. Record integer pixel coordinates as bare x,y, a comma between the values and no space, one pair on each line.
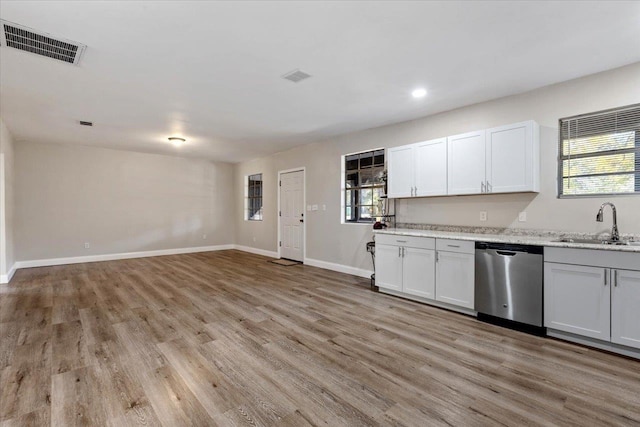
461,246
407,241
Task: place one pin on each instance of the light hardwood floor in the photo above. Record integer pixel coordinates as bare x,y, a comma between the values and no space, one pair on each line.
227,338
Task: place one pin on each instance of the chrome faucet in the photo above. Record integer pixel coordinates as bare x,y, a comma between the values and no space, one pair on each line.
615,234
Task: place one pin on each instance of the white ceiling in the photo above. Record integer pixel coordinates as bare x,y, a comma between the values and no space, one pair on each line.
211,71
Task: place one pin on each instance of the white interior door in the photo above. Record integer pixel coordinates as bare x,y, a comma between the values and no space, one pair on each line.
292,215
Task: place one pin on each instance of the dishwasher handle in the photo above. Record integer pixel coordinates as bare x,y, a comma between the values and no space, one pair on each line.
506,253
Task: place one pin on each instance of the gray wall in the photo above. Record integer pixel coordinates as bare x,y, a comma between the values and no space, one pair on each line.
330,241
7,257
117,201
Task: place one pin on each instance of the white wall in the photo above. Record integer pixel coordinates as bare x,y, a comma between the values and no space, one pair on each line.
6,202
117,201
330,241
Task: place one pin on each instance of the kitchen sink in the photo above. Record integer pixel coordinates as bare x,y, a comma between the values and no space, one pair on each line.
597,241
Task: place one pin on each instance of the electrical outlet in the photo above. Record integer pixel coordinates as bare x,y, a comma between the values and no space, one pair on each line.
324,207
483,215
86,245
308,208
522,217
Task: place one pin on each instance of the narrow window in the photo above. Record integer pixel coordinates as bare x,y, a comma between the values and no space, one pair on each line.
363,186
253,198
600,153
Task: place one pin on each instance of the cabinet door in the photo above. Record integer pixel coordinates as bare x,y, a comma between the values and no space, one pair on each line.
577,299
400,164
466,163
431,167
455,278
389,267
511,162
625,308
419,272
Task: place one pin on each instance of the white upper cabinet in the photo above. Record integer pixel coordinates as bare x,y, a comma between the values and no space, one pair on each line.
504,159
513,158
431,168
466,163
400,169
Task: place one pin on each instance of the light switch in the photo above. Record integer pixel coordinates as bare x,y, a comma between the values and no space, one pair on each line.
522,217
314,207
483,215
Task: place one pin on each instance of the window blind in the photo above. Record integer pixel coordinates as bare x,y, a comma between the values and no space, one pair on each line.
600,153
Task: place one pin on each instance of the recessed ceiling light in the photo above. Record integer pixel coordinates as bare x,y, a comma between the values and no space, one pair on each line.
419,93
177,141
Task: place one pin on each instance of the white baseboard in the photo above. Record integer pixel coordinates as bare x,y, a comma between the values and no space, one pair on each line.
5,278
340,268
112,257
256,251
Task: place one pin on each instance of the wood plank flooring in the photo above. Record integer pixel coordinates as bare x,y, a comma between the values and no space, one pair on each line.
227,338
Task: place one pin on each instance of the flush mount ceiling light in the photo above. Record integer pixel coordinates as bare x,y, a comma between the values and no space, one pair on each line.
177,141
419,93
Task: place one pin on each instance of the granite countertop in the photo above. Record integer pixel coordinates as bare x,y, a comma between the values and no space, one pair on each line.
524,239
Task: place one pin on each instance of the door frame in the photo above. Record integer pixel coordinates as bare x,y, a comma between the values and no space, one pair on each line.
304,205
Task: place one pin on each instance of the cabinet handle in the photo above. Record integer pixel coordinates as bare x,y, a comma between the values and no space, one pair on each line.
488,187
615,278
403,248
453,246
482,186
401,241
437,256
415,190
399,251
606,274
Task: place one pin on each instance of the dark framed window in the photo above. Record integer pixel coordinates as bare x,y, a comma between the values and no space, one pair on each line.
253,200
363,185
600,153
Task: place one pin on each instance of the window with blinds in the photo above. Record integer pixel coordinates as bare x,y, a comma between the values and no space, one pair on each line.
600,153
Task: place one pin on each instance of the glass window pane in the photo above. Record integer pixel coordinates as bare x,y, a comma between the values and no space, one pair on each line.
366,197
593,144
352,180
366,212
366,177
599,184
366,159
378,158
351,162
599,164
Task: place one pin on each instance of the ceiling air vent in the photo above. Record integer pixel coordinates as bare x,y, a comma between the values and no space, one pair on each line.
30,40
296,76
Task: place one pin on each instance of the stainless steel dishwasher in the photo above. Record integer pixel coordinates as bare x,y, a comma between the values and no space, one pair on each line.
508,282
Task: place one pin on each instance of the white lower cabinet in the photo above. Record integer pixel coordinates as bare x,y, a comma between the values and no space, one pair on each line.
577,299
455,272
388,267
419,272
599,300
406,264
434,269
625,308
